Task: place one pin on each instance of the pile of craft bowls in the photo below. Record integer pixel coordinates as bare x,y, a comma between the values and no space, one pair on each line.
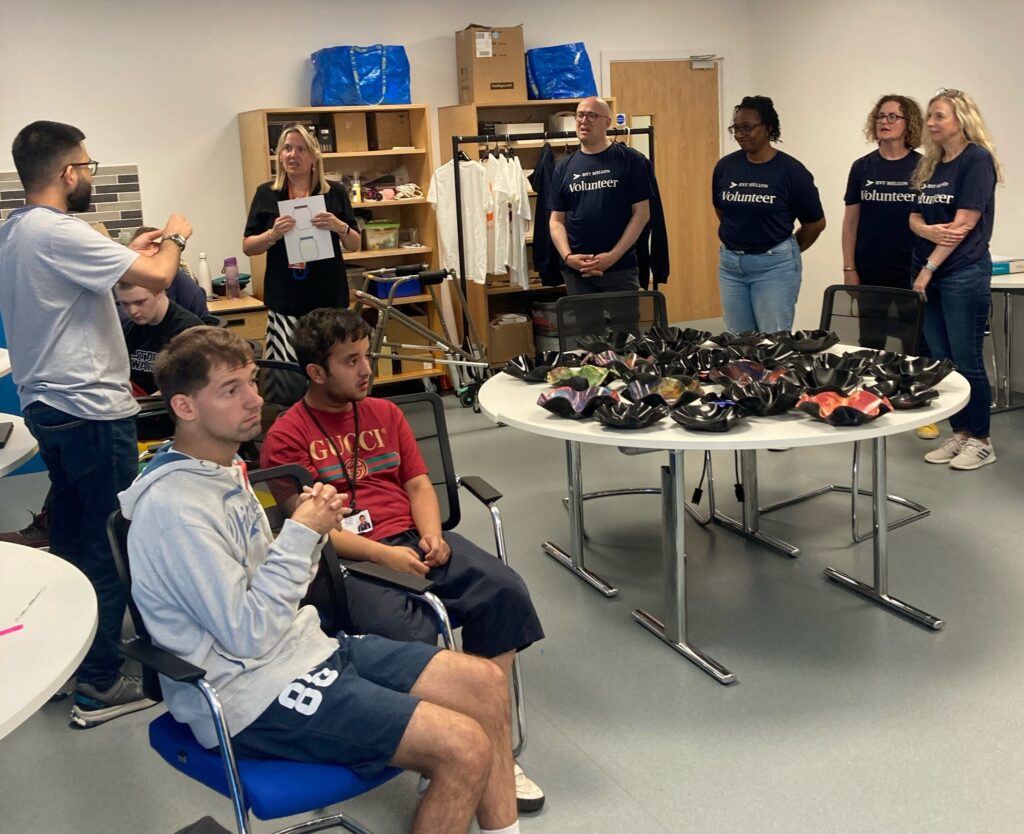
709,382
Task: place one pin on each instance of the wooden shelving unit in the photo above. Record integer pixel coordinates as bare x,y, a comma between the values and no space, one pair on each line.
258,166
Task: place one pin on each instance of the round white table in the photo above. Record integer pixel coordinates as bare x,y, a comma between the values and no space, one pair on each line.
508,400
47,623
20,447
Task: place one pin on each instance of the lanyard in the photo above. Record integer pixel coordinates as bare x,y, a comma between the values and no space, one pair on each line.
350,478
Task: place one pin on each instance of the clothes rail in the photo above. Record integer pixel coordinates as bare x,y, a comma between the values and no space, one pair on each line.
508,139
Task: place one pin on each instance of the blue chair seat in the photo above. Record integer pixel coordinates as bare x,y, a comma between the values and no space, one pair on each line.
272,788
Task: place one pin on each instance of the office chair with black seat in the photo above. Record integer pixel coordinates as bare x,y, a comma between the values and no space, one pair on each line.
882,318
270,788
607,315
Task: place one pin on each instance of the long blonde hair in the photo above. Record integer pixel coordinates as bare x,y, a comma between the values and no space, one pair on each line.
972,126
317,175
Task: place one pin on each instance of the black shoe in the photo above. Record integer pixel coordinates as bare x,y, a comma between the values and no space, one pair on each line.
37,534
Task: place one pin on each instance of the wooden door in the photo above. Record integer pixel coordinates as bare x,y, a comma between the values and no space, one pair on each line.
682,104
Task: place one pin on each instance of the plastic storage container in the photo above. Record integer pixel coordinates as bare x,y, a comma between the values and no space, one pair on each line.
381,234
381,287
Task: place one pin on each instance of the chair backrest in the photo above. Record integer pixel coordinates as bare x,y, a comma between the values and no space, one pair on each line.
425,415
281,384
885,318
610,312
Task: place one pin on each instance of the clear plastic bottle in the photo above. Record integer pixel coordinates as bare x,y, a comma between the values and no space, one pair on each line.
203,275
231,286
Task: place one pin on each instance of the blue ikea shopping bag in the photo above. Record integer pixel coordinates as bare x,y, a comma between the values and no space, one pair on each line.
562,71
354,75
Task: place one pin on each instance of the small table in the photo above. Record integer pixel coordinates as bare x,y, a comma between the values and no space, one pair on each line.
55,606
510,401
21,445
1009,286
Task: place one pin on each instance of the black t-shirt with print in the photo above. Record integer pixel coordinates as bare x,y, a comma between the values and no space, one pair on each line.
145,341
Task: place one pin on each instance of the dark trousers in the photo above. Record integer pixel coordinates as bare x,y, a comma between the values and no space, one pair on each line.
89,462
955,320
489,600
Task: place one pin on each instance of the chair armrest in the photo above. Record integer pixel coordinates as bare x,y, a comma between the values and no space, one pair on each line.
480,489
389,578
162,661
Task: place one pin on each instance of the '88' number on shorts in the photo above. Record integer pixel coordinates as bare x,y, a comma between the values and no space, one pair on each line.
305,700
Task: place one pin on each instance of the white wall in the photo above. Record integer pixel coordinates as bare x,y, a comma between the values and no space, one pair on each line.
161,85
825,64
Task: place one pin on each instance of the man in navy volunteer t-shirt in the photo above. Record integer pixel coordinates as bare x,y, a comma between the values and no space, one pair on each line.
600,205
759,202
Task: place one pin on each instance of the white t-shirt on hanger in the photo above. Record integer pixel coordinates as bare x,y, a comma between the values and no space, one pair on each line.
497,229
521,215
476,203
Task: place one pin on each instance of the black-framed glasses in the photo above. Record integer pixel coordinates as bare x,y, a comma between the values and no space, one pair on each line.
888,117
589,118
92,165
734,129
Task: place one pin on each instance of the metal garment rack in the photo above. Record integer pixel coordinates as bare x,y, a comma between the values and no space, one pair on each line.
508,139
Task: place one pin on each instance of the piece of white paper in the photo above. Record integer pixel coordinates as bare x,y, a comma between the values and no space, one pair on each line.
304,241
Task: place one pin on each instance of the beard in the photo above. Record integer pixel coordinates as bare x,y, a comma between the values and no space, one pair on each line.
80,198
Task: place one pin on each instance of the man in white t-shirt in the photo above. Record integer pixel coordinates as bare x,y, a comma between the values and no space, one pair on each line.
70,366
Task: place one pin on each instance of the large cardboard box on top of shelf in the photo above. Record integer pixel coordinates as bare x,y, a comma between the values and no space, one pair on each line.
388,129
492,64
506,339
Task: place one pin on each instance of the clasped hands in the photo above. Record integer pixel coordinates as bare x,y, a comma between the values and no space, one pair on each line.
434,553
590,266
321,508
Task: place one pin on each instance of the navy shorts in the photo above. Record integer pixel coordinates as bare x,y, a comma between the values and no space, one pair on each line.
352,709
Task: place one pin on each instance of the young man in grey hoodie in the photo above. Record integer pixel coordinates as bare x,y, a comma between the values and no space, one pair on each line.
218,590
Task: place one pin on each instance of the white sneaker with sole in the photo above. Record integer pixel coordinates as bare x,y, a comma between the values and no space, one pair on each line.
947,451
973,455
529,796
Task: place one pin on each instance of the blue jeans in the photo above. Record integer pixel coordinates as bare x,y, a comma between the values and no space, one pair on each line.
759,291
954,327
89,462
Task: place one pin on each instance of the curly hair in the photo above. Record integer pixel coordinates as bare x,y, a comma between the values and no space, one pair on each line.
765,108
972,126
909,109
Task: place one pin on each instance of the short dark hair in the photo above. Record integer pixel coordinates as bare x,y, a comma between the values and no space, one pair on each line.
318,332
183,367
40,149
142,230
765,108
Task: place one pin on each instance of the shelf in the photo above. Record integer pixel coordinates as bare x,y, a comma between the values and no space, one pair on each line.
372,204
408,375
375,254
361,154
508,288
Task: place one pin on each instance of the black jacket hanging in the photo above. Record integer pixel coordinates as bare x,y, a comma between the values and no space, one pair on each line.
546,260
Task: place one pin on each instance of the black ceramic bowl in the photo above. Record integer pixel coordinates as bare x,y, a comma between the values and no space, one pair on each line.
746,337
914,396
811,341
836,378
623,415
760,399
737,372
708,415
672,390
575,405
862,406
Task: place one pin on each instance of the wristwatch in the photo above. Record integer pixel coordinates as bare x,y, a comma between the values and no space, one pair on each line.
178,239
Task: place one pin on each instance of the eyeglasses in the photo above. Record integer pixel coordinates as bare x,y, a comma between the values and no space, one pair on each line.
589,118
734,129
888,117
92,165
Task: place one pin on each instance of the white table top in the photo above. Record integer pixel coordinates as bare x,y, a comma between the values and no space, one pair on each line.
506,399
1004,283
20,447
57,629
5,362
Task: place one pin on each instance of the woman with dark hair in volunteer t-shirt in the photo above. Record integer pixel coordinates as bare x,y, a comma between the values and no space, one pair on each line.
759,192
952,267
291,290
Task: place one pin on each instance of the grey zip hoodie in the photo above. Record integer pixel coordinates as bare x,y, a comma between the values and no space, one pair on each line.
215,588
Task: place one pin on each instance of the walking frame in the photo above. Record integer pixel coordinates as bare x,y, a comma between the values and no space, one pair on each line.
466,364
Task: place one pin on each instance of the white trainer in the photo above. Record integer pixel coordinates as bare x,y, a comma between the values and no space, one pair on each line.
529,796
973,455
947,451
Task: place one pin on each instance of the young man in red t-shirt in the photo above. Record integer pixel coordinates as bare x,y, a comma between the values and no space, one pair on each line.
364,447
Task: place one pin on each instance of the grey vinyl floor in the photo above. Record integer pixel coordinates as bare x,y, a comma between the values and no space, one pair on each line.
845,718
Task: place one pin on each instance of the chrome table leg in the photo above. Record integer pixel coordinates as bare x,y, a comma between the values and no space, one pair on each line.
750,525
673,630
573,559
879,591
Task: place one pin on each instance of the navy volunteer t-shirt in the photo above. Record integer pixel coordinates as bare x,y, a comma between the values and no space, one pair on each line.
881,187
968,182
759,202
597,192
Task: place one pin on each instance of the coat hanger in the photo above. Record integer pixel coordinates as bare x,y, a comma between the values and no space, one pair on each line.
463,156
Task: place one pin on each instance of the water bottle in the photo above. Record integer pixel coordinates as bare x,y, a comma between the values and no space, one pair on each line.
231,287
203,275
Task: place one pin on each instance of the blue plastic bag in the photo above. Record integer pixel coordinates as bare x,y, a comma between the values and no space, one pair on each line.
354,75
562,71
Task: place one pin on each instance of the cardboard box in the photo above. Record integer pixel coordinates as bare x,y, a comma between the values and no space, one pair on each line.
517,128
562,121
350,132
389,129
398,333
492,64
508,339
